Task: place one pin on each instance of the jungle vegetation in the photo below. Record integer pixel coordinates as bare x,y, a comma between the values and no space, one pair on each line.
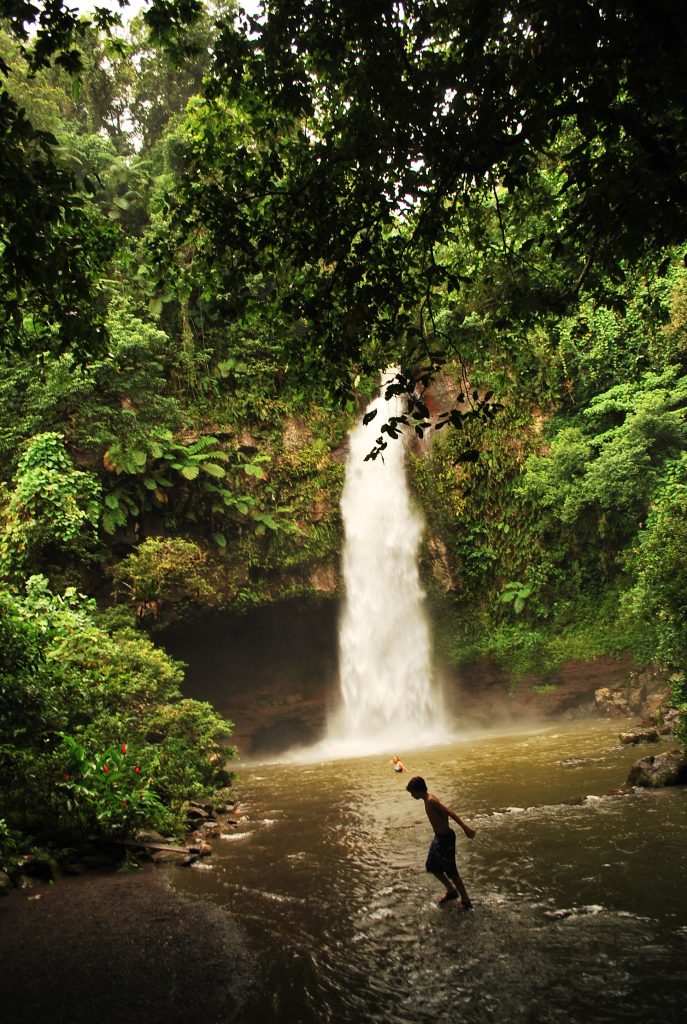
215,228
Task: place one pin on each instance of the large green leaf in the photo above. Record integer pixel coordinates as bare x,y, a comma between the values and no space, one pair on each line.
212,469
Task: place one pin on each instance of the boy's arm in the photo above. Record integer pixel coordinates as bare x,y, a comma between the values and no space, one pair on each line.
469,832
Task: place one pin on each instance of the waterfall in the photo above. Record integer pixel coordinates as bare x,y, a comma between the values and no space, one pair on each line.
387,700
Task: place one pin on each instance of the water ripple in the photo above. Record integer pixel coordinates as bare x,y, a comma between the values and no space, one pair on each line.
577,912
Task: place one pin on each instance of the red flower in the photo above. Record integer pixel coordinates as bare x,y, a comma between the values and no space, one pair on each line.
106,767
124,748
65,776
123,803
137,769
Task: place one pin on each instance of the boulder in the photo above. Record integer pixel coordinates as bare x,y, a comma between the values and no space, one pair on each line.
636,698
603,697
668,769
643,691
201,849
610,702
5,884
639,736
73,867
149,835
578,762
40,866
197,813
671,718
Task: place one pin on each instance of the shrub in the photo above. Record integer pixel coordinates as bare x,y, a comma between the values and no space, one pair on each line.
83,704
656,605
53,505
160,570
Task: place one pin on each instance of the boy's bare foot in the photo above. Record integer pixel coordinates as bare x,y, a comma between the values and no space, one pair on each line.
450,894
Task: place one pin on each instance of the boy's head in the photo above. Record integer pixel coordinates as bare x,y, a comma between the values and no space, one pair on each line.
417,787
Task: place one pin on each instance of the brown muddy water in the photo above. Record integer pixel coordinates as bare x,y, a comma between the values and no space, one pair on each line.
580,908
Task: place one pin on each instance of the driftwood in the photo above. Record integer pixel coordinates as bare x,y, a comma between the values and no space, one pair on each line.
159,846
140,843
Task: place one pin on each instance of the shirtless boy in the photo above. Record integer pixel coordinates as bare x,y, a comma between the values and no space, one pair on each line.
441,859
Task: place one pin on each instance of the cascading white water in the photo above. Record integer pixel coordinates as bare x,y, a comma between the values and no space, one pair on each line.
387,700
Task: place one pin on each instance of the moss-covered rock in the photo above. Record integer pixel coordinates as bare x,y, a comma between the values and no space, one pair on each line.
667,769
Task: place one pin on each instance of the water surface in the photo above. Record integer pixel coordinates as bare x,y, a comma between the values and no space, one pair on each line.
580,907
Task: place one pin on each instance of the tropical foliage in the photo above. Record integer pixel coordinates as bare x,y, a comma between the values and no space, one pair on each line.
214,230
94,733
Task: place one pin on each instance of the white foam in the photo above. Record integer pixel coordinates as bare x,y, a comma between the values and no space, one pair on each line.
387,698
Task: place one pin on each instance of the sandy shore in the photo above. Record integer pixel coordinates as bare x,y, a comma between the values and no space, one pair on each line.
119,948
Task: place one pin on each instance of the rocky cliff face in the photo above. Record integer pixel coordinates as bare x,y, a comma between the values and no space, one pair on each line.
483,694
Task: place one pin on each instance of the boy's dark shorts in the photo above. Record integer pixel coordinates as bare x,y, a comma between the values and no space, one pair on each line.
441,858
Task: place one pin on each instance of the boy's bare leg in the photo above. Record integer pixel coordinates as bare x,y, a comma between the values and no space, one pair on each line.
454,889
457,881
451,889
453,884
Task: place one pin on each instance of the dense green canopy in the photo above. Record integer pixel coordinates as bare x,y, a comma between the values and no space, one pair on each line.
374,115
369,128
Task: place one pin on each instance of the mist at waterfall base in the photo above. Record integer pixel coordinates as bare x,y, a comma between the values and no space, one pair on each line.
388,702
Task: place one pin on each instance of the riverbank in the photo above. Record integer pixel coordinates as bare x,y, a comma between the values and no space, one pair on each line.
121,947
